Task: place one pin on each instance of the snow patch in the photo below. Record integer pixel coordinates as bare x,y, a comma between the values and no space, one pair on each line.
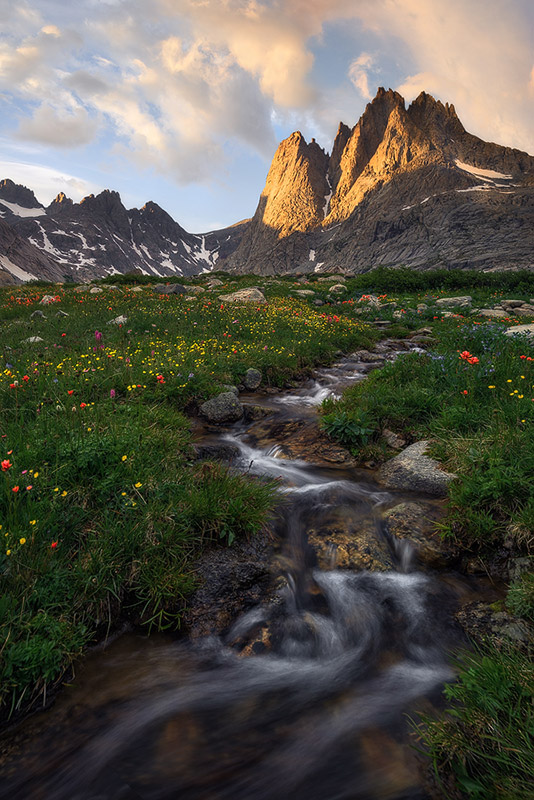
20,211
14,270
482,173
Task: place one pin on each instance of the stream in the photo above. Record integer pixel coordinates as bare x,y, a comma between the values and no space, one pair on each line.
307,694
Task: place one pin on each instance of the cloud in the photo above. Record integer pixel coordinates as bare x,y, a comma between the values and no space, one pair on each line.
358,74
179,86
47,182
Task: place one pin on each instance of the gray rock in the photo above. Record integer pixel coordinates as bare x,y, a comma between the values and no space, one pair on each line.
244,296
524,311
95,290
252,379
412,470
254,412
195,289
318,302
134,289
512,303
304,292
223,408
228,388
339,288
37,313
393,440
213,283
172,288
62,314
416,524
120,320
33,340
495,313
517,330
47,299
464,301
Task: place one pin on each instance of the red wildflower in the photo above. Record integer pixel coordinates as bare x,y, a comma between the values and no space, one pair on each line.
6,464
29,487
464,391
54,545
15,489
26,378
83,405
70,391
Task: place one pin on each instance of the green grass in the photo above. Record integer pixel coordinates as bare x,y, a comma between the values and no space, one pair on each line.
103,509
483,740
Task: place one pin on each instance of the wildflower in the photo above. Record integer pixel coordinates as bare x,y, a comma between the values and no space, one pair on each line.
53,545
138,485
15,489
491,387
520,396
33,521
29,487
8,552
35,474
25,378
112,393
123,494
83,405
124,458
509,380
464,391
6,464
63,494
70,391
22,540
56,489
63,334
98,336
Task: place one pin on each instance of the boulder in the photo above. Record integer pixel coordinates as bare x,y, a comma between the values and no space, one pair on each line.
495,313
171,288
524,311
134,289
223,408
304,292
33,340
195,289
38,313
484,624
512,303
462,302
213,282
339,288
516,330
244,296
120,320
47,299
61,313
412,470
252,379
95,290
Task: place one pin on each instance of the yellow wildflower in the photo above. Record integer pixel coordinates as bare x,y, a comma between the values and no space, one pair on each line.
138,485
33,521
124,458
22,540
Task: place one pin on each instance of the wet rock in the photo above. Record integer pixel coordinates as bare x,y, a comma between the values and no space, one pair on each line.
37,314
416,523
252,379
485,624
233,580
244,296
220,451
345,544
519,566
255,412
228,388
120,320
47,299
223,408
412,470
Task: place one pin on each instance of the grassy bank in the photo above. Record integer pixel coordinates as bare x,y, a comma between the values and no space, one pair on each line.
103,509
472,393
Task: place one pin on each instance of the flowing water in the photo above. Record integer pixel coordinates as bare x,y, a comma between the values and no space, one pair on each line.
305,697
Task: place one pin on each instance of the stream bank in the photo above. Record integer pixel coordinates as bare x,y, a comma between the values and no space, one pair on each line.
313,642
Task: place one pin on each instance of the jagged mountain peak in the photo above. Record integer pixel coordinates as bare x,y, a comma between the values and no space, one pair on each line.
16,193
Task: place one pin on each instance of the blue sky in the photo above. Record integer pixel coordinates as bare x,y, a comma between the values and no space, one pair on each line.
184,101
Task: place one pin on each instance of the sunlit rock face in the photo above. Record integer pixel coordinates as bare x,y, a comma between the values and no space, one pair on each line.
406,185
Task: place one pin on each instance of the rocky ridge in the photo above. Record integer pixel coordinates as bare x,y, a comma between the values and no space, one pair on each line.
99,237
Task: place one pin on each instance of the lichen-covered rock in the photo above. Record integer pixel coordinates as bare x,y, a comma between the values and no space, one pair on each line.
462,302
252,379
120,320
223,408
416,523
172,288
412,470
485,624
95,290
244,296
33,340
527,330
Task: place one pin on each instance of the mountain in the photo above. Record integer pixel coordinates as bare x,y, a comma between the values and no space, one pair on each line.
404,186
98,237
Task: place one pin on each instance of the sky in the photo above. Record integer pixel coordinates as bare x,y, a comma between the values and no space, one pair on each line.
184,102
